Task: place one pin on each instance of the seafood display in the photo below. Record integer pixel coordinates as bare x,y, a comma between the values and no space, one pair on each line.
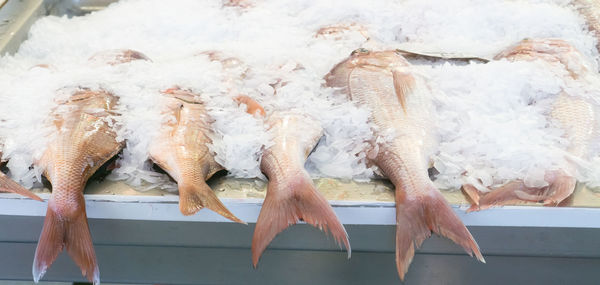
281,92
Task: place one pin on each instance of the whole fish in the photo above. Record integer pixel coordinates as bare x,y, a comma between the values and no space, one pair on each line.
401,111
181,149
83,140
291,195
575,115
8,185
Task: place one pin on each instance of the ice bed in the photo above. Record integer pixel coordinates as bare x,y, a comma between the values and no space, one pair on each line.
141,237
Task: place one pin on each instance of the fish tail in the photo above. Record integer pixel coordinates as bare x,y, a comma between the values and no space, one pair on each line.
289,201
511,192
8,185
561,186
66,231
419,215
193,197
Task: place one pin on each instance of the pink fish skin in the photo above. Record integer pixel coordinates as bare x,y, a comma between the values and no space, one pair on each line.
384,83
181,149
573,114
291,195
83,139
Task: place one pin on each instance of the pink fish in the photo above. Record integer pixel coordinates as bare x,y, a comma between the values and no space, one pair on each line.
83,140
399,102
291,195
575,115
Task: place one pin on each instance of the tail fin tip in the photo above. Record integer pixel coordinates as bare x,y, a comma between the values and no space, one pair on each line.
421,216
193,198
71,233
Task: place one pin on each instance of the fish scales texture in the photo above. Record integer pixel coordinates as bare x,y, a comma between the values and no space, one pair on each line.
83,142
401,110
573,114
182,150
291,195
590,9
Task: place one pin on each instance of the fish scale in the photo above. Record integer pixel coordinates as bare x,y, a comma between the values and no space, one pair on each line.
66,164
401,111
81,142
570,112
590,9
291,195
181,149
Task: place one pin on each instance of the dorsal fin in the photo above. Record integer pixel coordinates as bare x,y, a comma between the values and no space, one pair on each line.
404,84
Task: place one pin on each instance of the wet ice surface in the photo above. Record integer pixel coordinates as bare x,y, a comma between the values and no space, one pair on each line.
488,127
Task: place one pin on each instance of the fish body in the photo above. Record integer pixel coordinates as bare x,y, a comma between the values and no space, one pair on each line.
401,112
291,195
181,149
82,140
575,115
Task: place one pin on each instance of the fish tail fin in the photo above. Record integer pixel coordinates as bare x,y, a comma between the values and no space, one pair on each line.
286,203
511,192
193,197
419,215
561,188
71,232
8,185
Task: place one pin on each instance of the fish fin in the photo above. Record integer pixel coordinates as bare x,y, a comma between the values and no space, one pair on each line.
8,185
72,233
252,107
417,217
510,192
193,197
288,202
561,186
472,193
404,83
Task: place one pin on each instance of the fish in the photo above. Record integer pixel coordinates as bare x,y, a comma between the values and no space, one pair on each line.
590,10
291,194
82,140
10,186
181,149
574,114
399,102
